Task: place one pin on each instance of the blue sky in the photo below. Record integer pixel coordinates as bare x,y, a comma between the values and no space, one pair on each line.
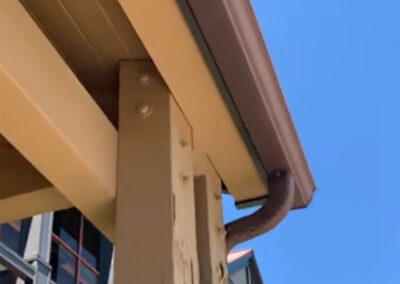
339,66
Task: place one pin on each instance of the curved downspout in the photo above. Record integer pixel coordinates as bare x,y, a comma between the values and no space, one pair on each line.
279,203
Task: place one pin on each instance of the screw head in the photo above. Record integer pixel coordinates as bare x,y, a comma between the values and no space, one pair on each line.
220,230
183,143
184,178
145,79
144,109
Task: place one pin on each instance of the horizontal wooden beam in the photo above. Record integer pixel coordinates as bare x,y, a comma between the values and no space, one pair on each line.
48,116
181,63
24,192
31,203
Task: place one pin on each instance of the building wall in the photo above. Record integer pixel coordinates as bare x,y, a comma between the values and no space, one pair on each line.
37,244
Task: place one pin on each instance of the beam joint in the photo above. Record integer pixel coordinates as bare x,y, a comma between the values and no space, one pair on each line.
155,219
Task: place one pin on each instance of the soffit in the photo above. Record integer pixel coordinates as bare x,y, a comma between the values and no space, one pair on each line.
92,36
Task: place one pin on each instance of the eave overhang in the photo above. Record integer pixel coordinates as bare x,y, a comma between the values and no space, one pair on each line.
233,39
211,56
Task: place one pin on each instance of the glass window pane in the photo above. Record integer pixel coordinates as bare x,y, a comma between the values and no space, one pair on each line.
10,234
15,235
95,250
87,276
90,244
249,275
63,264
66,226
239,276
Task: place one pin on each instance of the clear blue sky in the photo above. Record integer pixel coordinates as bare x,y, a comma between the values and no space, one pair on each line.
339,66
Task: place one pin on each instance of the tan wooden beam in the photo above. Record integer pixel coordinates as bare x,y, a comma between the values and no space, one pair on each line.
167,37
209,222
155,232
31,203
17,175
24,192
48,116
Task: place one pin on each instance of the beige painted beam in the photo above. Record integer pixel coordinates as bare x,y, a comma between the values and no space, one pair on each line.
155,232
17,175
31,203
168,39
48,116
24,192
209,222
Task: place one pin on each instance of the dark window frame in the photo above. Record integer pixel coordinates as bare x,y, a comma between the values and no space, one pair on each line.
102,270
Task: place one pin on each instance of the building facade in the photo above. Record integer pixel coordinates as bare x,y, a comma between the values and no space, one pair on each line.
64,241
77,253
243,268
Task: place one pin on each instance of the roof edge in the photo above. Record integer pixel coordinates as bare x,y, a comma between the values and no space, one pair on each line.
231,31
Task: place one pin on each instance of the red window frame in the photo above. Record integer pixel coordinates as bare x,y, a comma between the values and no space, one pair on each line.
78,255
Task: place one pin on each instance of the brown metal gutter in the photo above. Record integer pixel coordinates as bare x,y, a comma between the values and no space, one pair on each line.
272,212
232,34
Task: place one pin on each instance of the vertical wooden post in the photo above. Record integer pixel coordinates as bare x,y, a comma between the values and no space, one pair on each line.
155,226
209,222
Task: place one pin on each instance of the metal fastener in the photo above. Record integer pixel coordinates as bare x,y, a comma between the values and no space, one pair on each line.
145,79
220,230
217,196
184,178
144,109
183,143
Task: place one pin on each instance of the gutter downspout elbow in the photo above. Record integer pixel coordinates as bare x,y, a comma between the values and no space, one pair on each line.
272,212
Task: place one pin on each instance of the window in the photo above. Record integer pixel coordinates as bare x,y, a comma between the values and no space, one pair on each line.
80,254
15,235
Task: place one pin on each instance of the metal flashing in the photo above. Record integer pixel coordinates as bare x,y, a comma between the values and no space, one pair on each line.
232,35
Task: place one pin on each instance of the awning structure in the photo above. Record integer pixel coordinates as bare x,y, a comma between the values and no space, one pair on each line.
210,54
136,113
69,68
